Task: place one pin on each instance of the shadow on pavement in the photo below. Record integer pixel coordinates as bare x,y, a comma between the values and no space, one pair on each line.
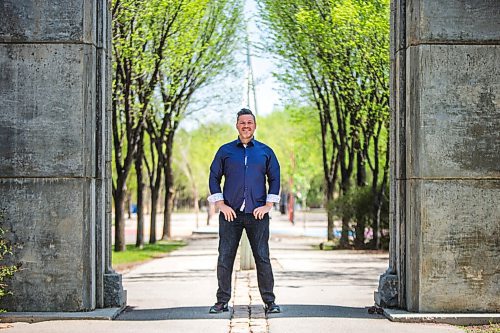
349,276
288,311
329,311
179,313
192,274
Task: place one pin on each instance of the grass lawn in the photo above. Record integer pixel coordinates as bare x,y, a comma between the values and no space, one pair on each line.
134,255
493,328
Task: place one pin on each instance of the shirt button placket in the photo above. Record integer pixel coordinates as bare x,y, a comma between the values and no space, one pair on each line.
245,179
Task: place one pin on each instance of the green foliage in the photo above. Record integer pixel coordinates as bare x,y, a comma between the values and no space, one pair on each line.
193,153
6,271
336,54
316,193
357,206
163,51
149,251
294,135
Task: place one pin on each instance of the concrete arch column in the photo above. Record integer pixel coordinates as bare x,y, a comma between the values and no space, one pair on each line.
445,160
55,154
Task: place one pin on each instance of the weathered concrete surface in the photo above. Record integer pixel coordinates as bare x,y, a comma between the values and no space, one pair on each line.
455,230
47,123
55,179
445,105
453,111
452,163
48,21
37,317
387,296
453,21
462,319
53,245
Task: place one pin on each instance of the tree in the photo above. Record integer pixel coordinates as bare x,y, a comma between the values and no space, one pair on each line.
193,153
293,134
163,51
139,36
324,45
200,51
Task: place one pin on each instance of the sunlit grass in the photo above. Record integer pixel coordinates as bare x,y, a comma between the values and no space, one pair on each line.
149,251
493,328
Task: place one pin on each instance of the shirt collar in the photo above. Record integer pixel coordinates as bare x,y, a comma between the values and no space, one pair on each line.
250,143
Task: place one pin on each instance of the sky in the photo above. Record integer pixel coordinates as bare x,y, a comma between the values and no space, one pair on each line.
222,99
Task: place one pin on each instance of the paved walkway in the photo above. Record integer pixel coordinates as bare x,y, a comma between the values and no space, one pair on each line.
319,291
308,224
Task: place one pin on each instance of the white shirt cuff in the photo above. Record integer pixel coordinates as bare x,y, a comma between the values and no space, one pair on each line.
215,197
273,198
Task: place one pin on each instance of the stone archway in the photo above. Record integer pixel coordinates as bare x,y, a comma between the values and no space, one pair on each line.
445,174
445,181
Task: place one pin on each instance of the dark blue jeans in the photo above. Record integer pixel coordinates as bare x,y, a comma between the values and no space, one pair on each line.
229,238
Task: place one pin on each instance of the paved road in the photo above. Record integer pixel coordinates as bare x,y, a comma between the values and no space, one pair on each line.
319,291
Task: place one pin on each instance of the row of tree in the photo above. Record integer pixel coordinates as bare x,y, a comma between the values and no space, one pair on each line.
336,52
163,51
333,55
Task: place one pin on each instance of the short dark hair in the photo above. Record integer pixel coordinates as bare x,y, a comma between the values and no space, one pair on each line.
244,111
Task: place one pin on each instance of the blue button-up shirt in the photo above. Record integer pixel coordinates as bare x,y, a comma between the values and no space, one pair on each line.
245,171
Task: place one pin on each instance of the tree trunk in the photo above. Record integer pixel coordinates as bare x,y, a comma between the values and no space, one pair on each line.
169,190
167,212
360,170
196,203
359,240
380,199
154,209
139,241
119,200
376,197
329,198
129,205
344,237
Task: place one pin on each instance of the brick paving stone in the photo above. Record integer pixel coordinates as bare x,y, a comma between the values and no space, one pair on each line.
240,330
248,313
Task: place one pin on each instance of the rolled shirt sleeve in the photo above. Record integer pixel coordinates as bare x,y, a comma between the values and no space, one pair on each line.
215,197
215,178
273,198
273,178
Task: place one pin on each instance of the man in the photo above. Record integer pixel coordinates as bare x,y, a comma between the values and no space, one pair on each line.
245,163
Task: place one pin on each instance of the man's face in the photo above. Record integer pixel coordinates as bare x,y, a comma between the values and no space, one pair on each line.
245,126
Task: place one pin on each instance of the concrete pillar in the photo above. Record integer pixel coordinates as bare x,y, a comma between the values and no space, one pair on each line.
55,154
445,169
246,259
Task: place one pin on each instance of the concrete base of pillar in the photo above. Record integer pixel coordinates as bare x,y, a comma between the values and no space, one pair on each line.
35,317
387,294
114,295
463,319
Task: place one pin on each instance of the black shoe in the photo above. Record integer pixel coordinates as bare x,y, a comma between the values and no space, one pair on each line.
219,307
271,307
